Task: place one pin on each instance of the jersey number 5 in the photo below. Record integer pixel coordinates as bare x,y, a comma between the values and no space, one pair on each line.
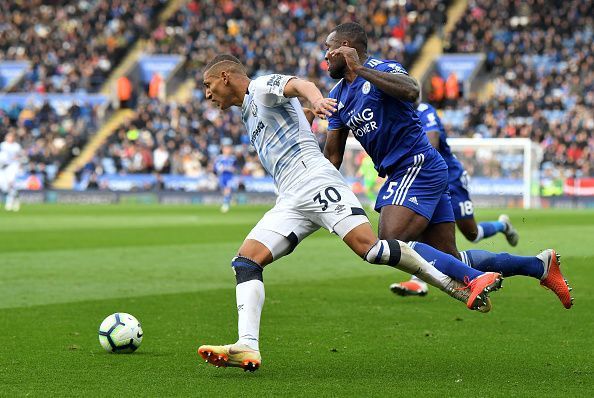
390,189
331,194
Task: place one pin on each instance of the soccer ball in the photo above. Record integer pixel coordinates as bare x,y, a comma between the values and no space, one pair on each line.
120,332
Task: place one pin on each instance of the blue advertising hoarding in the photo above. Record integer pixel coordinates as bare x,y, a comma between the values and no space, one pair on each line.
11,71
463,65
57,101
159,63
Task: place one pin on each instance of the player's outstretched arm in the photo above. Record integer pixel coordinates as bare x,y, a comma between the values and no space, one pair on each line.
335,144
398,85
321,107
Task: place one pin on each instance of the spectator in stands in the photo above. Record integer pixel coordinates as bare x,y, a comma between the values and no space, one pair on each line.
124,89
156,88
452,89
437,94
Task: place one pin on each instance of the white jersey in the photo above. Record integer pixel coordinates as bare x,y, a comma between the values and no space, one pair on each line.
280,132
10,153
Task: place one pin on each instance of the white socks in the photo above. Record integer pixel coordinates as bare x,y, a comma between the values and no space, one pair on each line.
412,263
250,300
399,255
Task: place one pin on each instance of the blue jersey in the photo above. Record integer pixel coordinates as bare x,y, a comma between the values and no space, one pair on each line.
431,122
388,129
225,165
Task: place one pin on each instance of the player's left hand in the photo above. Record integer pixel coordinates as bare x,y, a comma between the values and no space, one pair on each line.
350,56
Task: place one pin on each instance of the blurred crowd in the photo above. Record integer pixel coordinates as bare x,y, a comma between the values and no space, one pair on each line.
288,36
71,45
51,136
541,53
185,138
174,138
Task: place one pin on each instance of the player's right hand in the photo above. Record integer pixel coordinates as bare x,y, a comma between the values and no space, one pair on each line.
324,107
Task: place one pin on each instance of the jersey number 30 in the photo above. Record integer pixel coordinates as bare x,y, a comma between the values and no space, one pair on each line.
331,194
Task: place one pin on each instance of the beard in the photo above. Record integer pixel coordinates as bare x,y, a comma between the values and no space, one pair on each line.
336,71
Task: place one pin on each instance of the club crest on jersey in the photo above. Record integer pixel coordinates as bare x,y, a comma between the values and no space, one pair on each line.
366,88
254,108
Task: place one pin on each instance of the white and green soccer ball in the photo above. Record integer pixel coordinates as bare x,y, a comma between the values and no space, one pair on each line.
120,332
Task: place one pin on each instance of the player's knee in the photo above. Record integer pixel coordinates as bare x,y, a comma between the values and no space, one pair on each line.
255,251
403,236
246,269
402,231
360,237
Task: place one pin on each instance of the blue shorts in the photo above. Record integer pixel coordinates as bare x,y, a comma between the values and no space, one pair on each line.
226,181
422,186
461,203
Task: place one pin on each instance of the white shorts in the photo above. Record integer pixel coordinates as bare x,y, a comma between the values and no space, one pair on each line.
323,200
8,175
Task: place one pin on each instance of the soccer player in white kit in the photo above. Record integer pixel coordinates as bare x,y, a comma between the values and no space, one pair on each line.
11,155
311,194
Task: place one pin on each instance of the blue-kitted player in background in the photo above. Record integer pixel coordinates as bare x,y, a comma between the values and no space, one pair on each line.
462,205
225,167
458,184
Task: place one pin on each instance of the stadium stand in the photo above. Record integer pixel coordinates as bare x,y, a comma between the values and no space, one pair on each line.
250,30
172,138
50,135
541,76
540,54
71,47
189,134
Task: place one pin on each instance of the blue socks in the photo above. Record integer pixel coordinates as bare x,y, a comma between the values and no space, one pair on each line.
445,263
488,229
505,263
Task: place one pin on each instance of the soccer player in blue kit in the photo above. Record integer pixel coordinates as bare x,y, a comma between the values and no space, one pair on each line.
225,167
376,103
462,205
458,184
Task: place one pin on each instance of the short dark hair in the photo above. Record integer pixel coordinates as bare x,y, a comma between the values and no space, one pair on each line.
354,33
221,58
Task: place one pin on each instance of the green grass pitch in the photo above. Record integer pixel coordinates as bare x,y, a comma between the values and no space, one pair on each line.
330,325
